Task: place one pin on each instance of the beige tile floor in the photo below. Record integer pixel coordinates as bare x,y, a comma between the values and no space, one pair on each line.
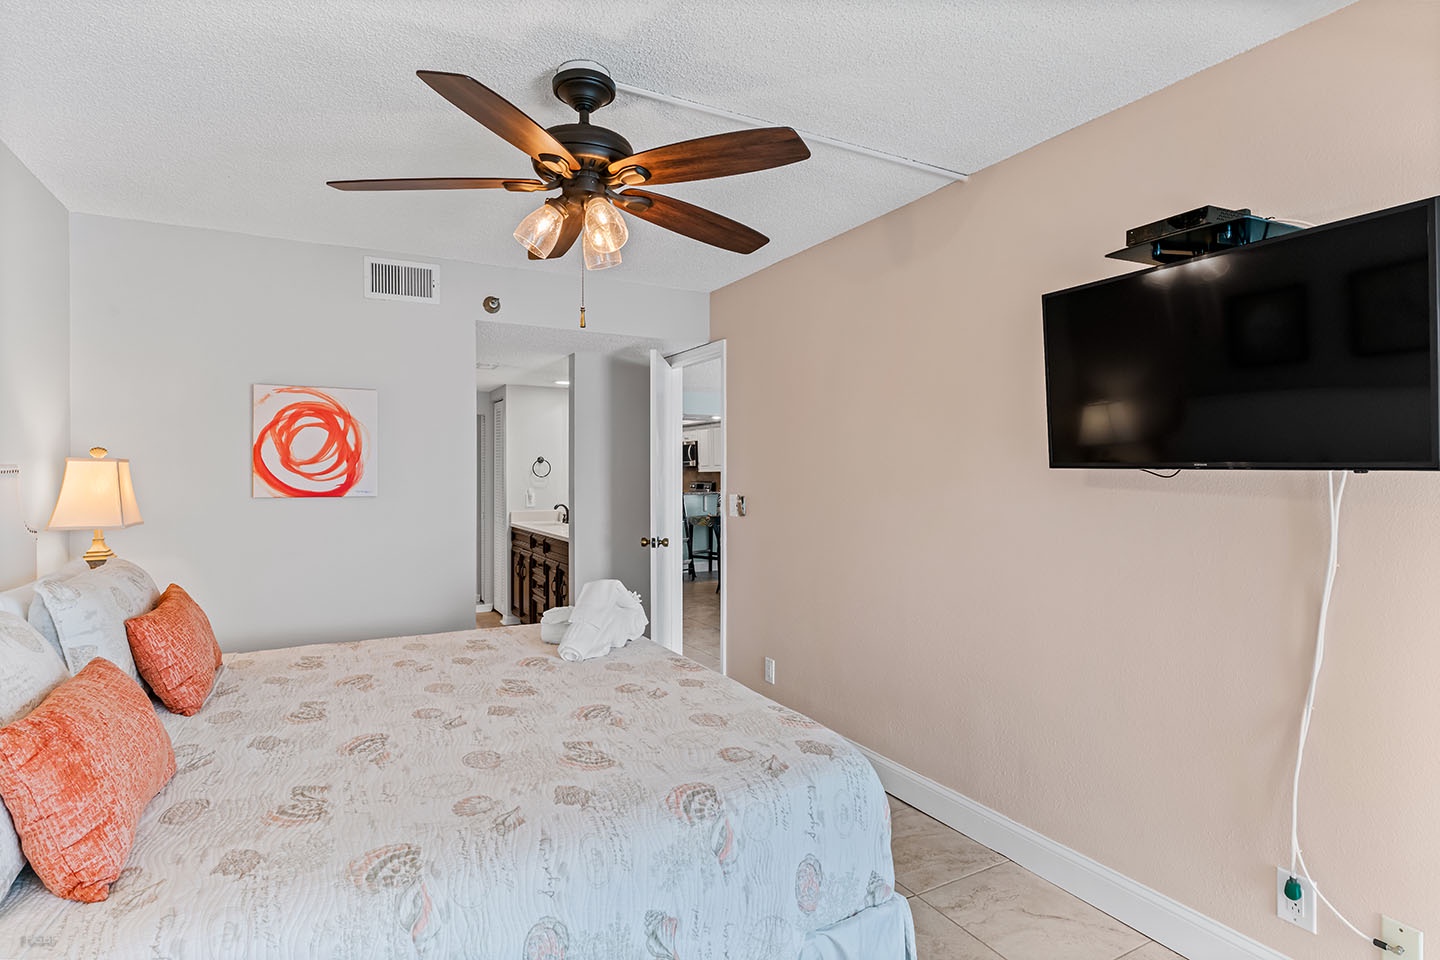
970,903
701,615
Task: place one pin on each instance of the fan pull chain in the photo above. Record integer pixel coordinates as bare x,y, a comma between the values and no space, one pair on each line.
582,293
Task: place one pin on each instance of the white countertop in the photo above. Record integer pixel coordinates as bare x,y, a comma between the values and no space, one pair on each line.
531,522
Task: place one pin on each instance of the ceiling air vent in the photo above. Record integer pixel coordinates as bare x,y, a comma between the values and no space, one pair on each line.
401,280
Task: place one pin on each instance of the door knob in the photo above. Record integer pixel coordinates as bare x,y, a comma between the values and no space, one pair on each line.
664,542
644,541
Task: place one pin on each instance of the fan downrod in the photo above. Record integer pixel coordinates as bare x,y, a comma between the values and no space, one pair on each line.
585,85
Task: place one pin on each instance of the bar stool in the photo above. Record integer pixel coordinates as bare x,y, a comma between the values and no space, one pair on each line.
710,522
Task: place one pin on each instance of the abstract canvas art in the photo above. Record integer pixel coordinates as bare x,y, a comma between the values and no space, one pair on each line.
313,442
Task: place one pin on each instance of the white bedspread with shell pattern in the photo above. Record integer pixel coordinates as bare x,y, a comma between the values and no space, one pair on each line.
472,795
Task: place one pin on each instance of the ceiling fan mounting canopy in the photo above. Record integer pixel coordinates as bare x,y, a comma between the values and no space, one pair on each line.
583,84
584,161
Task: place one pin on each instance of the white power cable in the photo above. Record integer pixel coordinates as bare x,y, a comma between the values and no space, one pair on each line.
1297,860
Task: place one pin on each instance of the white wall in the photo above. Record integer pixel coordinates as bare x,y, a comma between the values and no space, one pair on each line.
537,424
550,297
610,485
171,326
34,344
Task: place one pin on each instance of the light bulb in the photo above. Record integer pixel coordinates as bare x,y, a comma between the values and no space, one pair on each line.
540,231
597,259
604,225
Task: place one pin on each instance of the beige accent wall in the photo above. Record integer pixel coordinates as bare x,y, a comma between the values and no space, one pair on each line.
1115,660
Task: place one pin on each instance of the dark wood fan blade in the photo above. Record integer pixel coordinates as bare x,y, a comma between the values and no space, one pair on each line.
694,222
508,121
440,183
722,155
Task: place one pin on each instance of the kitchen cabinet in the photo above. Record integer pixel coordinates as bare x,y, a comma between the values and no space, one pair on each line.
539,574
711,456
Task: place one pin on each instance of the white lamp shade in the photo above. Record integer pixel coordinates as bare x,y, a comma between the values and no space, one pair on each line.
95,495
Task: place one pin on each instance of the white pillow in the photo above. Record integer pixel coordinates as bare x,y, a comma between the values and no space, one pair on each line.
29,670
36,613
90,610
17,601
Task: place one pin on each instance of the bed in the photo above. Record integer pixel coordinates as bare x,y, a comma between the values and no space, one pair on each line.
472,795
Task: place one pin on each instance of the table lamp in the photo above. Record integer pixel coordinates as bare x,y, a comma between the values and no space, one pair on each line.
95,494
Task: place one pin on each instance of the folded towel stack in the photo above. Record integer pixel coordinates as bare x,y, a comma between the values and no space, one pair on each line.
553,623
606,617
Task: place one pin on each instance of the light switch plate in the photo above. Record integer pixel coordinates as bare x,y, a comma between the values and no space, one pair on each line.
1399,934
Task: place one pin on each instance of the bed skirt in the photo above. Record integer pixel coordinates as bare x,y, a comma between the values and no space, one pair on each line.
875,933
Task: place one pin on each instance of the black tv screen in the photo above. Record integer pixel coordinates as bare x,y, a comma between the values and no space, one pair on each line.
1315,350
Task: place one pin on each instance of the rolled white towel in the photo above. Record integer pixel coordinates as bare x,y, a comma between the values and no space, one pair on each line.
606,617
553,623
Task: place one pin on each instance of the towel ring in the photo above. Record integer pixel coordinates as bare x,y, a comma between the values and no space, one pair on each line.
534,467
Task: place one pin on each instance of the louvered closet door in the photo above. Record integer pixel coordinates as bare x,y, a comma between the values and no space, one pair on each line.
500,522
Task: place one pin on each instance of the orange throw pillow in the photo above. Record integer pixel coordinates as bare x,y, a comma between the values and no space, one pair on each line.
76,774
175,651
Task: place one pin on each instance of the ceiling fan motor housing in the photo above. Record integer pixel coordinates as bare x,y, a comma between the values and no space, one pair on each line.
586,86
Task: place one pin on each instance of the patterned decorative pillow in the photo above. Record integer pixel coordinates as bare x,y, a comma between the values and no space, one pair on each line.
90,610
29,670
175,650
35,611
77,773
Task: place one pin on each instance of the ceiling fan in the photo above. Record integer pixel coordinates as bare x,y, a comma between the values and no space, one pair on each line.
596,170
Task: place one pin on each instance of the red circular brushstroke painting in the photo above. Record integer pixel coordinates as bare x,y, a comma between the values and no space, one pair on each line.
312,447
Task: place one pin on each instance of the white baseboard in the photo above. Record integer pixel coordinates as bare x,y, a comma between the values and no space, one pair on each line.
1169,922
483,607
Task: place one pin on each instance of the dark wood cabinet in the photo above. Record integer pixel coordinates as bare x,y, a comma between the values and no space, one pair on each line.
539,574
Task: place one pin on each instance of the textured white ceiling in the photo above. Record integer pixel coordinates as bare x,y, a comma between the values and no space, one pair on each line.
233,115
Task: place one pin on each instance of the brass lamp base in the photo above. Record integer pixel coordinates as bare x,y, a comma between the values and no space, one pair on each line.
99,552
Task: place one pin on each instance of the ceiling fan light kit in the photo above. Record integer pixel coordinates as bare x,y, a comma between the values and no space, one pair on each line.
605,229
595,257
540,230
596,170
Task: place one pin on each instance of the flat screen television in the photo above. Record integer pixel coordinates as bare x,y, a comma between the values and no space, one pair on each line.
1311,351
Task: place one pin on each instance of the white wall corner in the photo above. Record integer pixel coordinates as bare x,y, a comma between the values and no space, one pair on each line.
1166,921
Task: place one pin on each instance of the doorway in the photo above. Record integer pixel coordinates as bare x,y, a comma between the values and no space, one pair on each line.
530,446
693,577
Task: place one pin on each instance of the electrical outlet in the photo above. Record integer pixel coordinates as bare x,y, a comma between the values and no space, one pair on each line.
1403,935
1299,912
769,670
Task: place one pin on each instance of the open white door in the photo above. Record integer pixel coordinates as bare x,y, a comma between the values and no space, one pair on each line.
666,539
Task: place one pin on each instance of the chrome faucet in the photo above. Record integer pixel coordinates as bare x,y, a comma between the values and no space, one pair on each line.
565,515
